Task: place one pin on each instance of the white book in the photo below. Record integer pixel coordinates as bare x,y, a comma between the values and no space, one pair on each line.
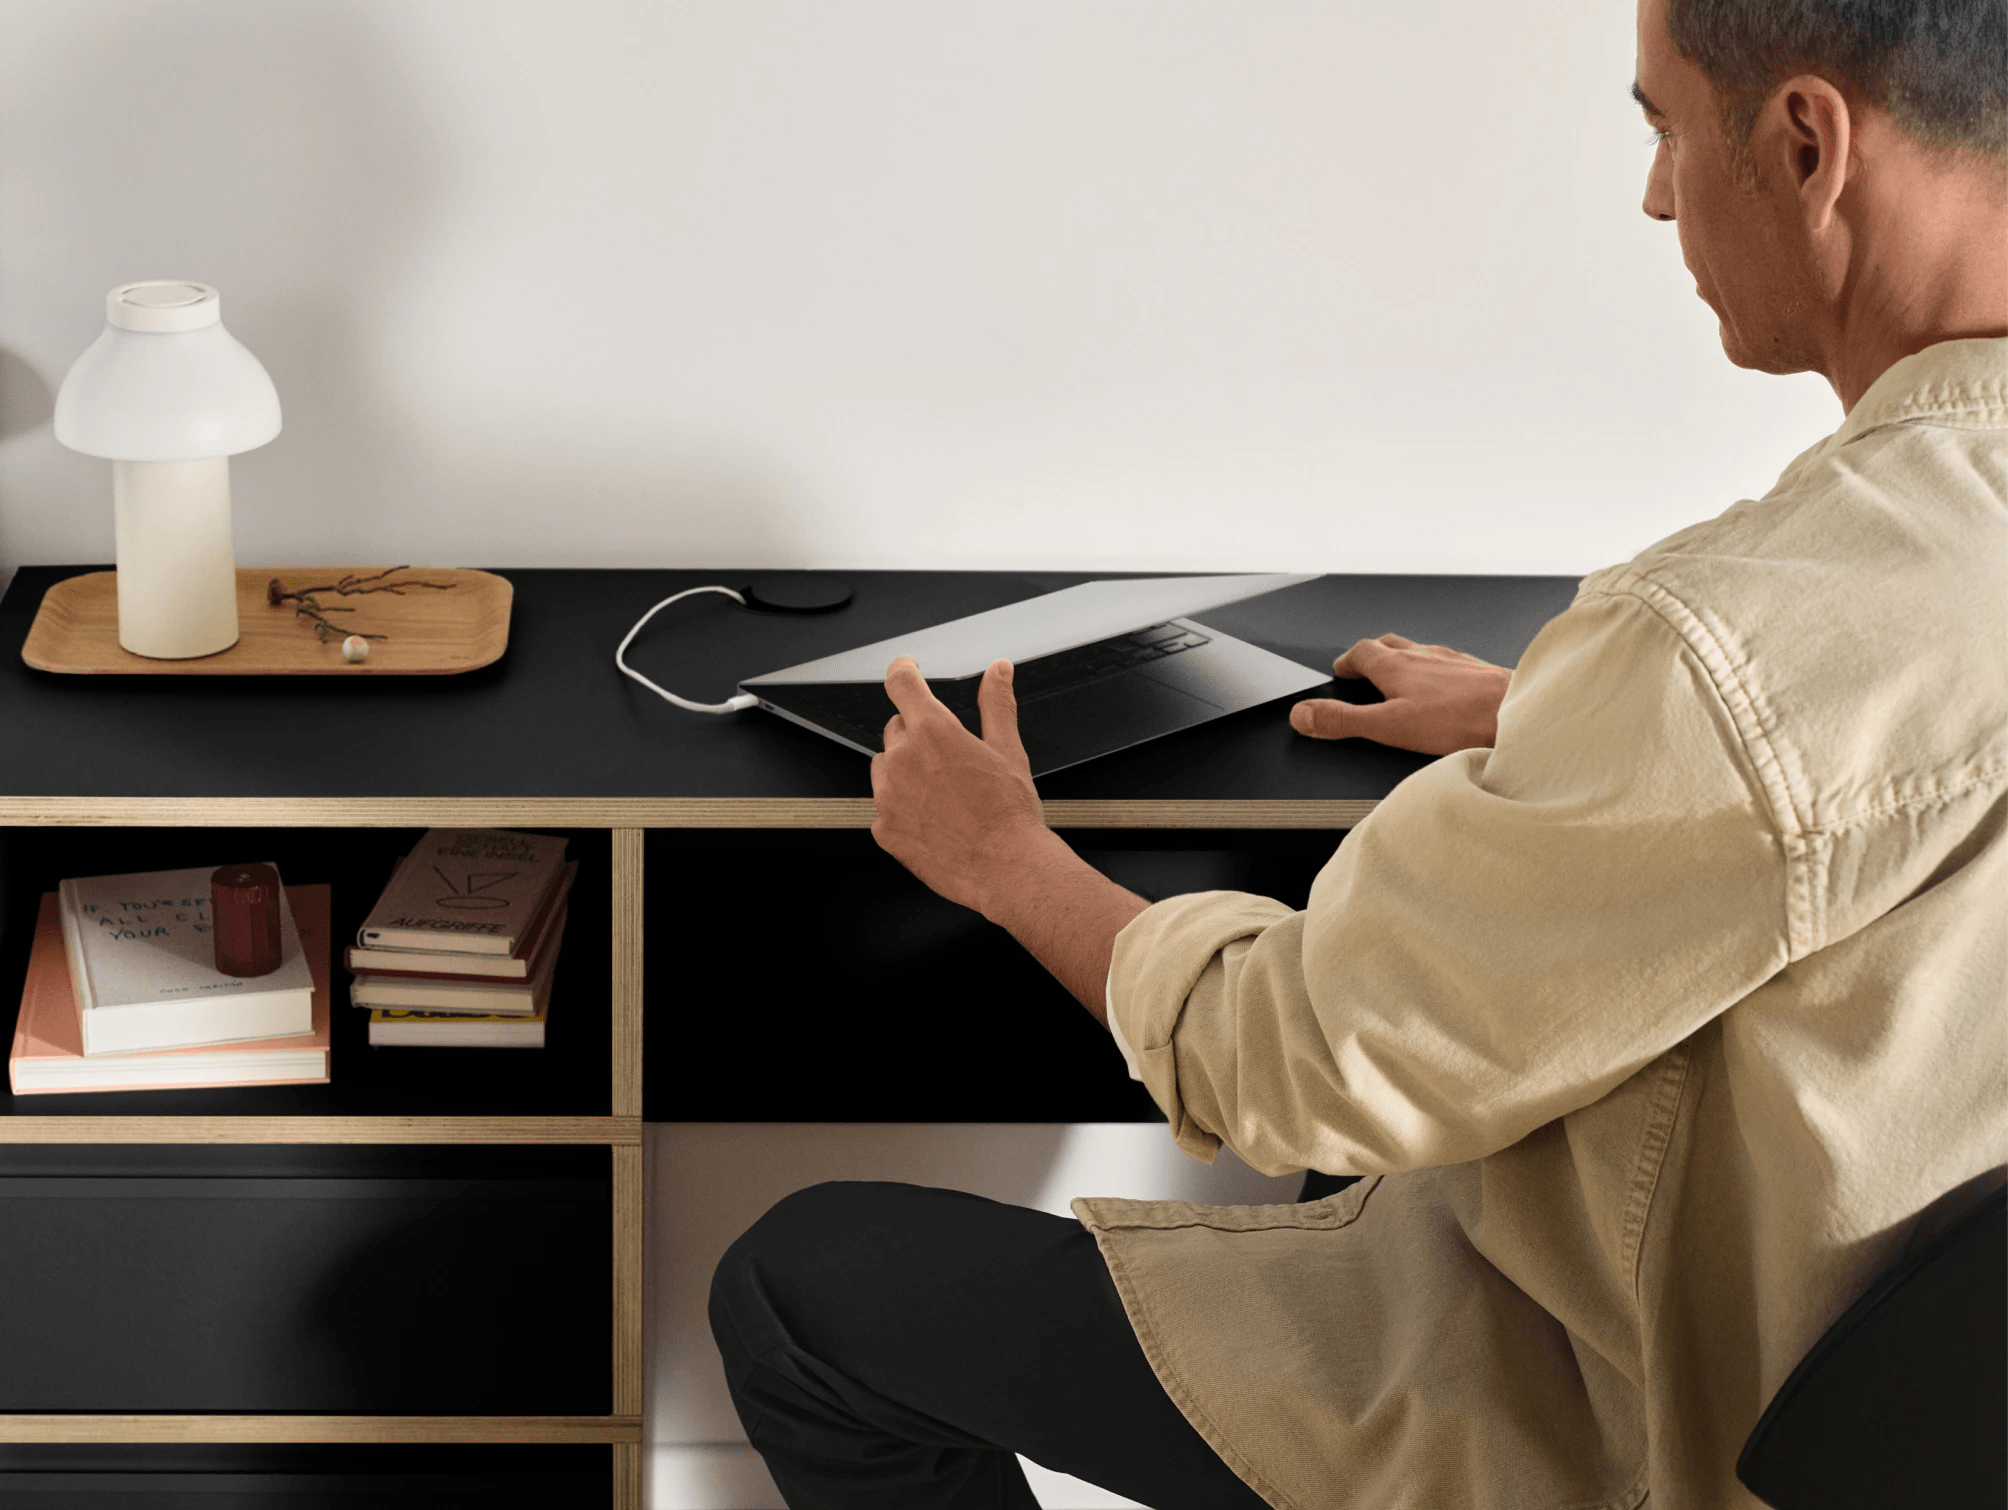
142,958
48,1054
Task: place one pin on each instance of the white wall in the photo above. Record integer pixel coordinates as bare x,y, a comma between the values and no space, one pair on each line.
1308,284
1212,284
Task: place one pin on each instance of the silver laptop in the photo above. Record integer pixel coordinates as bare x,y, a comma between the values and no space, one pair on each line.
1098,667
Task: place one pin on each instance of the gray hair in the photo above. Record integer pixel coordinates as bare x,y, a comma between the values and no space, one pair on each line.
1940,67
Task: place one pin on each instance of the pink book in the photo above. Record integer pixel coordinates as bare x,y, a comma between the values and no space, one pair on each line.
48,1056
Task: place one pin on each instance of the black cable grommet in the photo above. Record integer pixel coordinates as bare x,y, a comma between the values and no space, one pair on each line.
798,592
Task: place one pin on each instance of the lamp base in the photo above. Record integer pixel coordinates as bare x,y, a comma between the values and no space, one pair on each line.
177,572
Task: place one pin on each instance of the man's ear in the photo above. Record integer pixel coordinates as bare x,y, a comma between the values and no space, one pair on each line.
1809,121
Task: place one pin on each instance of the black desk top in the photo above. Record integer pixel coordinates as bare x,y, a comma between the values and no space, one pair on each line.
553,719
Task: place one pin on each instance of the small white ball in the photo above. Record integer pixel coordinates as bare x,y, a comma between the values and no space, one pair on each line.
355,648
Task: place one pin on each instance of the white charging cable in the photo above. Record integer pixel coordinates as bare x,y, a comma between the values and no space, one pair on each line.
730,705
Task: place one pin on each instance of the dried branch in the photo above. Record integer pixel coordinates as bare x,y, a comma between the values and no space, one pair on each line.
353,585
310,608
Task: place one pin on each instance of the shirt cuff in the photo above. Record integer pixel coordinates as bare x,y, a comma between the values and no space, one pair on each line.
1115,1027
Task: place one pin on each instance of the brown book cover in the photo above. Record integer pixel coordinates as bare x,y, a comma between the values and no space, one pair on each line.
48,1056
466,891
438,965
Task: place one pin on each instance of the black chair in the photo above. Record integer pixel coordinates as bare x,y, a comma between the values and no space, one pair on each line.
1317,1186
1904,1401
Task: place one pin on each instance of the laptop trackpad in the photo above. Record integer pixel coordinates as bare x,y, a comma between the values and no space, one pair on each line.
1084,722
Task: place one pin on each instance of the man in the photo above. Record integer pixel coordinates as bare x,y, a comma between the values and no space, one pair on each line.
1663,1012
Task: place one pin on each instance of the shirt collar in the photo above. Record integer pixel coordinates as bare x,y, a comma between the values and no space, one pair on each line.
1960,383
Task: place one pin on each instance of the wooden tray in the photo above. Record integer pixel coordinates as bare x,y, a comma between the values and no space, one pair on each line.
430,632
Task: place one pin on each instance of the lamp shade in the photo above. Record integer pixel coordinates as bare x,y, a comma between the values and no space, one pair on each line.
165,381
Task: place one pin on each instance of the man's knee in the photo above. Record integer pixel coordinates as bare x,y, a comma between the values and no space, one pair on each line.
767,1263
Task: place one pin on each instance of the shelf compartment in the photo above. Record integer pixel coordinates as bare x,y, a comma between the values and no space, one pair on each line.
569,1077
862,996
429,1280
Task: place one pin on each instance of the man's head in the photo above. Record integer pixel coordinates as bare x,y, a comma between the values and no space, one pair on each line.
1838,170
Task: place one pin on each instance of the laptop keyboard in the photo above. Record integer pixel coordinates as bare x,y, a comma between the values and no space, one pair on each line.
859,710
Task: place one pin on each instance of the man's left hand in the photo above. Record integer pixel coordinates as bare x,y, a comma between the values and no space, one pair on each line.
962,814
955,810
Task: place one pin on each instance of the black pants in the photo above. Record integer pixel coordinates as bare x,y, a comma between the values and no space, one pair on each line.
893,1346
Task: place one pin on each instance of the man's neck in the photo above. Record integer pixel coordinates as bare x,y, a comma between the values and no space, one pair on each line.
1928,263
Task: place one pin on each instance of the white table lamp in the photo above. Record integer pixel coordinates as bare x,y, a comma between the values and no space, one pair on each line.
169,396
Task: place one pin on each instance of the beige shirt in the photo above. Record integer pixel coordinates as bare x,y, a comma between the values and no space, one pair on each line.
1661,1022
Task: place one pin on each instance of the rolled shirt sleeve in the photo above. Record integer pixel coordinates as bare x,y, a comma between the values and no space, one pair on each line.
1509,935
1116,1027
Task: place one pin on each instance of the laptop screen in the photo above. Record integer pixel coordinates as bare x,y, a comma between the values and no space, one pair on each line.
1040,626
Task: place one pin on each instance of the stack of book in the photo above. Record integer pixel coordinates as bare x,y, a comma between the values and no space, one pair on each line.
123,992
460,949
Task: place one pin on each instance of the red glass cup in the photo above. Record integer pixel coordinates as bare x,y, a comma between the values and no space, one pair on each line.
244,914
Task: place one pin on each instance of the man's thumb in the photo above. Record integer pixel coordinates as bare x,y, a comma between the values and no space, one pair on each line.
1329,718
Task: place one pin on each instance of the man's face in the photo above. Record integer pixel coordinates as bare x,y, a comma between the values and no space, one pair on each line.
1736,221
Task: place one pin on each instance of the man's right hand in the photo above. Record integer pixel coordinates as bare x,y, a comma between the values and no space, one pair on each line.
1439,700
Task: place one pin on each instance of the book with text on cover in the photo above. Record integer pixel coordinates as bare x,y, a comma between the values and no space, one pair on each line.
537,940
465,891
142,954
48,1055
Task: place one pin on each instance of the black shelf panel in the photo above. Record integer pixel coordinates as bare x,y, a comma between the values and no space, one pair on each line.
808,977
365,1476
569,1076
435,1280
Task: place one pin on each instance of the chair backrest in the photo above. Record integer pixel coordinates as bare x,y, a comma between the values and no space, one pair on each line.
1904,1400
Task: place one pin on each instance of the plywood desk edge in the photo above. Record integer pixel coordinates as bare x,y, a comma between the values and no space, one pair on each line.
31,1127
642,812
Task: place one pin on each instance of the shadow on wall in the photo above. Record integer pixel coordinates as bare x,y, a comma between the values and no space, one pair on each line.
273,151
27,402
